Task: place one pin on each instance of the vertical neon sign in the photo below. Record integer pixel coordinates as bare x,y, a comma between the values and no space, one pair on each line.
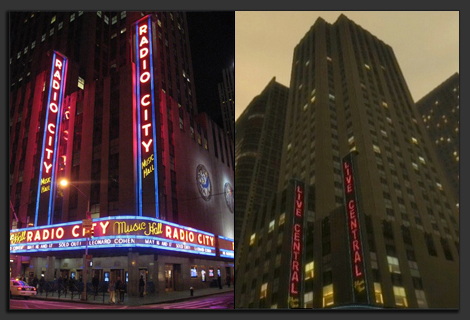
295,279
358,272
49,153
145,126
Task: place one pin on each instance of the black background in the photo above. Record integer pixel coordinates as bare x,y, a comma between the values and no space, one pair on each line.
212,45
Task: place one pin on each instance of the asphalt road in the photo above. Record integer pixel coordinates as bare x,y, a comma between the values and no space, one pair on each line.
219,301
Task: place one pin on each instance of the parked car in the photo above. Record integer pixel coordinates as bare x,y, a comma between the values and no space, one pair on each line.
21,288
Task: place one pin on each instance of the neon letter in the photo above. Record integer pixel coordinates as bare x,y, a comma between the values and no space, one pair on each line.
146,102
145,77
145,145
142,29
53,107
58,63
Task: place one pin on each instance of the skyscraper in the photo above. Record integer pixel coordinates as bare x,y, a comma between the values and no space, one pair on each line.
107,101
258,143
227,100
440,112
364,215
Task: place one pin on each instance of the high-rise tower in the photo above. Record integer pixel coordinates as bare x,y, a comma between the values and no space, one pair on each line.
227,100
258,143
364,215
440,112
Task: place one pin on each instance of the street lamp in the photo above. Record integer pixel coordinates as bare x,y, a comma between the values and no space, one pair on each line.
65,183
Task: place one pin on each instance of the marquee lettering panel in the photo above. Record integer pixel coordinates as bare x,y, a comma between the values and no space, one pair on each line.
114,232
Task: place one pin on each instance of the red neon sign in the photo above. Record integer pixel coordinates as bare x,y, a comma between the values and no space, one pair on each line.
354,233
296,258
145,126
48,169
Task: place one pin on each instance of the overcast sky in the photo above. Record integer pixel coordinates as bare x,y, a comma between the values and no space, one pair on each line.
425,43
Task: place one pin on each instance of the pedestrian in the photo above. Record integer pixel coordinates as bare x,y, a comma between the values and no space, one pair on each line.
66,284
95,282
119,289
141,286
72,285
41,284
111,290
219,281
35,282
59,285
227,279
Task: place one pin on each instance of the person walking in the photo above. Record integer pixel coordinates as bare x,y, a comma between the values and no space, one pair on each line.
141,286
95,282
59,285
112,291
42,281
119,289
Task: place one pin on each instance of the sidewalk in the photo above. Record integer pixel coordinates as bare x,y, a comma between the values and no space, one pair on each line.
150,298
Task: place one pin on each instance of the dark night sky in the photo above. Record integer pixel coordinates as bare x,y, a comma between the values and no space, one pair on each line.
212,41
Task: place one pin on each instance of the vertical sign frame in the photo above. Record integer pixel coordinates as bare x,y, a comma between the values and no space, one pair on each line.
360,286
296,264
145,124
49,152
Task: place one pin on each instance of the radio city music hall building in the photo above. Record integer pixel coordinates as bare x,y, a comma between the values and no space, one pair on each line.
107,101
365,215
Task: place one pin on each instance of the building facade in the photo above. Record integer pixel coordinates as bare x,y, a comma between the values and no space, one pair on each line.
227,100
258,141
440,112
374,223
106,100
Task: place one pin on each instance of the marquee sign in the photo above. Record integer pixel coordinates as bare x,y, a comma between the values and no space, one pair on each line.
145,125
226,247
114,232
49,150
359,279
296,270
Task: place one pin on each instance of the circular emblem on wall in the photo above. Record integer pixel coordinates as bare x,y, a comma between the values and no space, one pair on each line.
229,196
203,182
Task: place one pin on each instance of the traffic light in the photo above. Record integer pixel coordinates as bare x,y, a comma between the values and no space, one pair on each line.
92,233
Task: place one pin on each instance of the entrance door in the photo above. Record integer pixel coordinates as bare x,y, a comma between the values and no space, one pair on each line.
115,273
169,278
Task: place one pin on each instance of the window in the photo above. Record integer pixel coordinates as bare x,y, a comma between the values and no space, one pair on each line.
328,299
271,226
393,264
378,293
252,239
282,218
400,296
308,300
81,83
421,299
264,291
309,270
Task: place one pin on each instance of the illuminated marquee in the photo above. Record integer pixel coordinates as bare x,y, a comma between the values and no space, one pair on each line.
113,232
360,287
49,151
295,278
145,126
226,247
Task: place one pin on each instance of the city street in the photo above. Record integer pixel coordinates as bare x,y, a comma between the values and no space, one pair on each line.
218,301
